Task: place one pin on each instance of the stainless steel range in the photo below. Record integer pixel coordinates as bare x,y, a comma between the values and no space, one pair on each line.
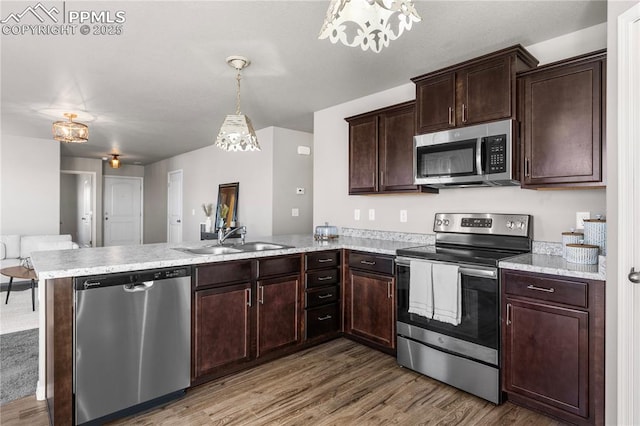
449,299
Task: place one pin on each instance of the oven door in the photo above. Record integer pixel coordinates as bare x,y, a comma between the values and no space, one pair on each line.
477,336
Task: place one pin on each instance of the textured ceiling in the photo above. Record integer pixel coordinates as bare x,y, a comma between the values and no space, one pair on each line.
162,87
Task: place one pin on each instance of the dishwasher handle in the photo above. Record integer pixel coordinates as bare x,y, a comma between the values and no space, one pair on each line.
137,287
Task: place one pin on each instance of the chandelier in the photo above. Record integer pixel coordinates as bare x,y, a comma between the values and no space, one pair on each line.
70,131
236,133
370,24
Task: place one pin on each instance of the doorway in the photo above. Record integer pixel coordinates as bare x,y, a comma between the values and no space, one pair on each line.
174,207
78,206
122,211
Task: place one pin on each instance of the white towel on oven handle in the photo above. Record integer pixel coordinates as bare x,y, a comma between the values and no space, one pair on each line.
447,293
420,289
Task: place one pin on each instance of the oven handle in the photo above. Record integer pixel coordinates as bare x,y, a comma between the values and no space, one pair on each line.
471,271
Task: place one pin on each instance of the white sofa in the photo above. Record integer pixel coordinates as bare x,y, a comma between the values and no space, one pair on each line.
14,248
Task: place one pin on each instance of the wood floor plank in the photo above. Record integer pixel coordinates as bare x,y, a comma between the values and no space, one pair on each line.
337,383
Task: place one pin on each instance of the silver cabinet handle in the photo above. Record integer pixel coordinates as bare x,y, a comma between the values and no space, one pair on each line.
249,297
634,276
325,296
526,168
382,177
389,295
508,313
546,290
451,123
324,318
366,262
464,115
324,260
261,300
328,277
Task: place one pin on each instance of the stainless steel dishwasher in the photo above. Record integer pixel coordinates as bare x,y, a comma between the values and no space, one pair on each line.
132,337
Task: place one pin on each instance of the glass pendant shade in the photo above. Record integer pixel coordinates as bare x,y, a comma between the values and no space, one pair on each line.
236,133
370,24
70,131
114,162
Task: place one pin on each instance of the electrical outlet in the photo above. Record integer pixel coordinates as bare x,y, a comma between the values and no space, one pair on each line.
300,191
193,212
295,212
356,214
403,216
580,217
372,214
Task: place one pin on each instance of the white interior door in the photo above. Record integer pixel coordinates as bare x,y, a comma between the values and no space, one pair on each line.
122,211
628,375
174,203
85,209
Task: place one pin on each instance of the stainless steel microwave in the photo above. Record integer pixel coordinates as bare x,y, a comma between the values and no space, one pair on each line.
480,155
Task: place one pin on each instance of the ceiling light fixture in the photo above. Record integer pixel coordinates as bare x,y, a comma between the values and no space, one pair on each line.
114,162
70,131
370,24
236,133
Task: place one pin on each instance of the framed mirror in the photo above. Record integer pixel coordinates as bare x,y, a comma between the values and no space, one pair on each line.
227,206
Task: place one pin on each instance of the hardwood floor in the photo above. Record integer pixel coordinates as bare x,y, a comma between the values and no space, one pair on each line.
337,383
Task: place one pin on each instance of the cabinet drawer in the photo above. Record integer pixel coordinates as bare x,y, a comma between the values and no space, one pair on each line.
549,289
322,320
222,273
322,259
321,296
323,278
278,266
371,262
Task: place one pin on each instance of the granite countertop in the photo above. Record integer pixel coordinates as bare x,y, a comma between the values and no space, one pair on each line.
555,265
105,260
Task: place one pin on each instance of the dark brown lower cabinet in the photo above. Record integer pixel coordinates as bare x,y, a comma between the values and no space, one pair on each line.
370,304
553,345
223,314
278,313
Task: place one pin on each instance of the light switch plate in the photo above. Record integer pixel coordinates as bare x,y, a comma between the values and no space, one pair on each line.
372,214
580,217
295,212
403,216
356,214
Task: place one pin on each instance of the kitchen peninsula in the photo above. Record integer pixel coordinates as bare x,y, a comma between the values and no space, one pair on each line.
57,270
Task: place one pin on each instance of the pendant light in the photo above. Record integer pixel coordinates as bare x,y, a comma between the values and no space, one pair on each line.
370,24
70,131
236,133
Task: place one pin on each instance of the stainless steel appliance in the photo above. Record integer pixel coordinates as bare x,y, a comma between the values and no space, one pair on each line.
481,155
465,355
132,338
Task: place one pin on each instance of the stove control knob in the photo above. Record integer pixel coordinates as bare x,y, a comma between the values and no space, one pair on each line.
520,225
438,222
446,222
510,224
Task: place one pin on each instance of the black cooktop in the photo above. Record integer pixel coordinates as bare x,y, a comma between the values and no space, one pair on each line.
474,256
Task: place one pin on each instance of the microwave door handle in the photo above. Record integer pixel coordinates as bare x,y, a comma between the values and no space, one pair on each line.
479,145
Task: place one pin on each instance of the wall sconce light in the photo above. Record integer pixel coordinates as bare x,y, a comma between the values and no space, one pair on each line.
114,162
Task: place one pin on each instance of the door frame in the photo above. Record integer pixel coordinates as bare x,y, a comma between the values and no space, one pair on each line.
181,203
104,194
94,202
628,205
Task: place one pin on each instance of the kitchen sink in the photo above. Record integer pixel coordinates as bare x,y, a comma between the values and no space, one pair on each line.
210,250
260,246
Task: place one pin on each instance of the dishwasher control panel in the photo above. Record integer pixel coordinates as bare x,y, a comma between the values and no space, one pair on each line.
97,281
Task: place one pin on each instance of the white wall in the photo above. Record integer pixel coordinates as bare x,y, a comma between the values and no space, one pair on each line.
29,186
553,211
290,171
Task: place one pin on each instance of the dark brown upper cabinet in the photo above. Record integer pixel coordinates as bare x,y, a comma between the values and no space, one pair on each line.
562,112
479,90
381,151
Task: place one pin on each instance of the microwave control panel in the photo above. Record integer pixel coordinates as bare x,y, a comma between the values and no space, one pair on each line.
495,153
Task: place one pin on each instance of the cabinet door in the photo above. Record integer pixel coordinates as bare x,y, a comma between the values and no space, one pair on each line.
222,314
371,308
363,155
485,91
546,354
397,128
435,103
278,313
563,125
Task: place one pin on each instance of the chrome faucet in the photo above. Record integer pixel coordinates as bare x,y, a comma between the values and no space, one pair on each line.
223,235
